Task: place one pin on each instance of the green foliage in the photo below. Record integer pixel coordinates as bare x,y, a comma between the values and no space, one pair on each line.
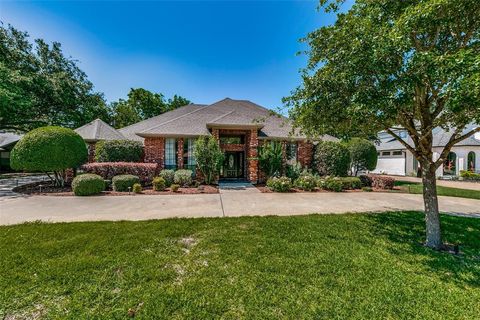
121,183
137,188
331,158
183,177
279,184
306,181
88,184
270,158
349,183
469,175
293,171
40,86
175,187
367,189
209,157
118,151
363,155
333,184
168,175
158,184
49,149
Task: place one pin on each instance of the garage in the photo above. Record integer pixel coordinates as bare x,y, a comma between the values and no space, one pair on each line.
391,162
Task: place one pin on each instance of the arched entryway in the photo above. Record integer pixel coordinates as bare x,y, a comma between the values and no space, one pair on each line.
471,158
450,165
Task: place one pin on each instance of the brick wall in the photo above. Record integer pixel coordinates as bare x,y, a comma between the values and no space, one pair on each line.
180,142
91,151
305,153
252,156
155,150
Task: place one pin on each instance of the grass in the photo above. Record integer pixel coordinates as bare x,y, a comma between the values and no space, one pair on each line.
362,266
417,188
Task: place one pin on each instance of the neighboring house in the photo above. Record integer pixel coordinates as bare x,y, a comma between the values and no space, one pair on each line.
240,126
394,158
95,131
7,142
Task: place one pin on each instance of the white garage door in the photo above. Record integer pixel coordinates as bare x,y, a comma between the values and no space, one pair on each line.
391,166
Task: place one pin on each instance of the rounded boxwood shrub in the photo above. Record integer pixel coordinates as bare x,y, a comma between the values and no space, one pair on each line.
121,183
158,184
331,158
363,155
279,184
183,177
306,181
175,187
168,175
333,184
137,188
88,184
49,149
118,151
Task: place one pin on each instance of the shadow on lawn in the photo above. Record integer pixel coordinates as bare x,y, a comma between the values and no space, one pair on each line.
408,228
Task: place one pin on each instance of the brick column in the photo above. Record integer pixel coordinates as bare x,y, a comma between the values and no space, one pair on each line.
252,156
216,134
284,157
91,151
155,150
180,153
305,153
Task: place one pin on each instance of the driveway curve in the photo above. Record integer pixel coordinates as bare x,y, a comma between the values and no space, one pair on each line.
144,207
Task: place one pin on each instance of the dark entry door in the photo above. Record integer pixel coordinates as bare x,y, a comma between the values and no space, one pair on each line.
233,165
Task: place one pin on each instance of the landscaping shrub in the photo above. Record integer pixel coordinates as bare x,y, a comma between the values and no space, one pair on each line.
333,184
122,182
49,149
183,177
144,171
366,180
279,184
469,175
293,171
158,184
381,182
118,151
270,158
331,158
209,157
351,183
88,184
168,175
367,189
137,188
363,155
306,181
174,187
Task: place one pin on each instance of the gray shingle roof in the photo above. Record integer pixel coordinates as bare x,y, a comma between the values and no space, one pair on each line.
98,130
9,138
195,120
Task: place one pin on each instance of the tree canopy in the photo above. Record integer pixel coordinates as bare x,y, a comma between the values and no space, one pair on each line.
385,64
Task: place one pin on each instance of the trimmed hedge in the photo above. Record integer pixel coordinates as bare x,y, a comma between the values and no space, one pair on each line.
331,159
183,177
381,182
121,183
333,184
145,171
168,175
351,183
469,175
279,184
88,184
118,151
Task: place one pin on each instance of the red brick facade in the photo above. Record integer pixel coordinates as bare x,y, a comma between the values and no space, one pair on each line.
155,150
305,153
91,151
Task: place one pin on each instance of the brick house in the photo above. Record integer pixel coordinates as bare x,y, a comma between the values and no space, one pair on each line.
240,126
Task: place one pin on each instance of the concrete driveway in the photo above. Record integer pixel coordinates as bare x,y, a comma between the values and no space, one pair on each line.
228,204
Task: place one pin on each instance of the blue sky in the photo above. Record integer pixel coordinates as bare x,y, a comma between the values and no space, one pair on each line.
204,51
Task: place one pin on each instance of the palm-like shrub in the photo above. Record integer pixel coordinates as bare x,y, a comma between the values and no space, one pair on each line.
363,155
209,157
88,184
270,158
331,159
49,149
118,151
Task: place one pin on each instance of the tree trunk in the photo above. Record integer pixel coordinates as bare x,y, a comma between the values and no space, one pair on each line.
432,215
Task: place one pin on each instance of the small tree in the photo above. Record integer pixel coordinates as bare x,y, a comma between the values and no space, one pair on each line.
49,149
363,155
209,157
270,158
331,158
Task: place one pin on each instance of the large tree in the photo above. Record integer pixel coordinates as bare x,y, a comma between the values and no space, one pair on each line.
40,86
384,64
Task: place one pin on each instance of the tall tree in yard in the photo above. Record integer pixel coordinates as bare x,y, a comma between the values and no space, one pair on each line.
386,63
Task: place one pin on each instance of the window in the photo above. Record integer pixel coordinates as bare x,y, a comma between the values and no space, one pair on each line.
397,153
291,152
232,140
471,161
385,153
188,158
450,165
170,153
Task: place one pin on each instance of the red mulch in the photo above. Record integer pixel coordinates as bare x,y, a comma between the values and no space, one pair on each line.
264,189
49,190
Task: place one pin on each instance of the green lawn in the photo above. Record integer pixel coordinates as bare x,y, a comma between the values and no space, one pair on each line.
417,188
363,266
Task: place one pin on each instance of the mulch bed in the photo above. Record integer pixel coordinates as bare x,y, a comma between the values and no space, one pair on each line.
48,190
264,189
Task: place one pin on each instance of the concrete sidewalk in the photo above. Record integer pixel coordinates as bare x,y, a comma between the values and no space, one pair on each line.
240,203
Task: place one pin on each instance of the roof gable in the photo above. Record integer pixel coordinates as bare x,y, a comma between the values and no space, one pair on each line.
98,130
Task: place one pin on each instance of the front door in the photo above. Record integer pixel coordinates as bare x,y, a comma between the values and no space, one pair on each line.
233,165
